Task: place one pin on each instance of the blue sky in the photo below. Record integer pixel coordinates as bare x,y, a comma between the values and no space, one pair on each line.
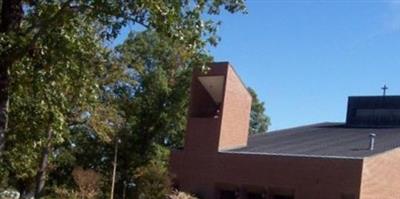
304,58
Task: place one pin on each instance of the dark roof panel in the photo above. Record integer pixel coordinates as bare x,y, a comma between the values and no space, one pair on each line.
325,139
373,111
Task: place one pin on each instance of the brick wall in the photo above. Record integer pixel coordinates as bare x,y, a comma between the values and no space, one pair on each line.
202,168
236,113
207,133
381,176
307,178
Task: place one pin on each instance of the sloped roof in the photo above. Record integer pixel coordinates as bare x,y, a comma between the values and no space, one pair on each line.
334,140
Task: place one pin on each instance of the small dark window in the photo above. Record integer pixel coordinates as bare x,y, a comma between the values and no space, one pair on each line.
255,196
227,194
277,196
348,196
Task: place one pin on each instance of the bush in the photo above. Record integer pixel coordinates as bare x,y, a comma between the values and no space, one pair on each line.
9,194
88,182
63,193
152,181
180,195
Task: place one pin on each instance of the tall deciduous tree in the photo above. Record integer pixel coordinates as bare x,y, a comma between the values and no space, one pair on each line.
11,17
48,92
52,59
156,111
24,23
259,121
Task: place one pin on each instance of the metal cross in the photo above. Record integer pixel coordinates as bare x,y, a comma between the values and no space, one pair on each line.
384,88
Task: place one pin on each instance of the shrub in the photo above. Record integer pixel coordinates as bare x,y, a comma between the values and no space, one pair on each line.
180,195
152,181
9,194
63,193
88,182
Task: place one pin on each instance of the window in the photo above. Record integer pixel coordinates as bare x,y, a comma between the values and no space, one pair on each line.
227,194
277,196
348,196
253,195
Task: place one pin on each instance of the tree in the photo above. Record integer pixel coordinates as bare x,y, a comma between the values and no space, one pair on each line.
48,92
259,122
11,16
24,23
52,61
155,103
152,181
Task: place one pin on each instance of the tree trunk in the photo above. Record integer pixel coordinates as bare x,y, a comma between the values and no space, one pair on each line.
114,169
124,190
41,174
4,101
11,16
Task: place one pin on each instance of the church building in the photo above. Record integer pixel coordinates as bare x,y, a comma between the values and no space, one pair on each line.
359,158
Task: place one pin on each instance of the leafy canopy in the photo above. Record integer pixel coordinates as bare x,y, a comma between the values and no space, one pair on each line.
259,122
59,69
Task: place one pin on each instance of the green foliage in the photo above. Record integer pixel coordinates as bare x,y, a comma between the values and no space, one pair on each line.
152,181
162,70
48,91
63,193
61,113
155,100
178,20
259,122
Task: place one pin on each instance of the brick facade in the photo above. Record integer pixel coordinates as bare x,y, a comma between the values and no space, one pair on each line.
304,178
207,168
381,176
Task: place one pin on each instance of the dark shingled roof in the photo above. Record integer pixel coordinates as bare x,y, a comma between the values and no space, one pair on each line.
323,140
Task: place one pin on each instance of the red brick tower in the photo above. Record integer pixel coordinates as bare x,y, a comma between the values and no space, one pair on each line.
218,120
219,110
